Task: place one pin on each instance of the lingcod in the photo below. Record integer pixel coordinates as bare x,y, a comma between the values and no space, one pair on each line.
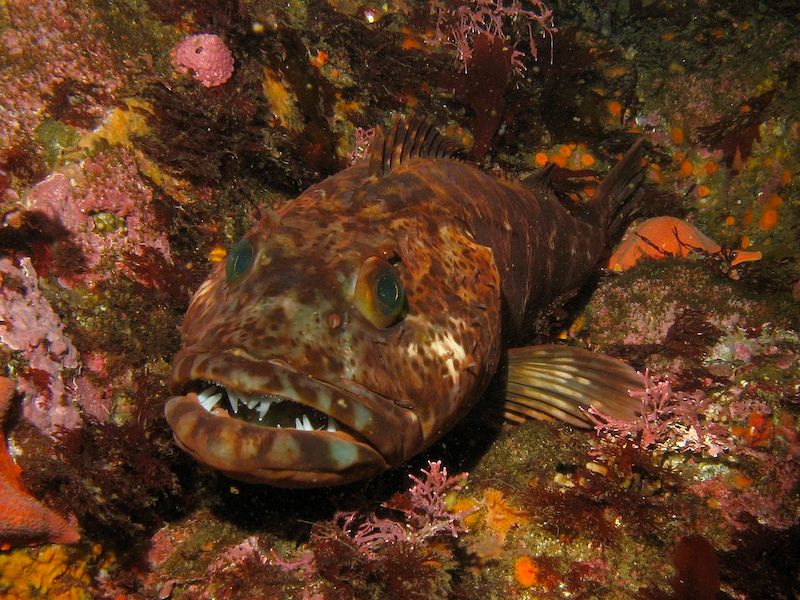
357,324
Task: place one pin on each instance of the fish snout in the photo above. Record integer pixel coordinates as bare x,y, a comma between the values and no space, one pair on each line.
262,422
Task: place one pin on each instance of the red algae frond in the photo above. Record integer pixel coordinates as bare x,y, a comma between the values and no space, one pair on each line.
669,419
459,25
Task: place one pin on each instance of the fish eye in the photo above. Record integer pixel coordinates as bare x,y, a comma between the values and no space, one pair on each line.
239,259
379,294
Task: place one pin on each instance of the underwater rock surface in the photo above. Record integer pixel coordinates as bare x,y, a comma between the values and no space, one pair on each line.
124,181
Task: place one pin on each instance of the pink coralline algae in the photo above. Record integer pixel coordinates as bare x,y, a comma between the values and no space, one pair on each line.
206,56
424,514
775,506
71,39
29,326
460,24
361,145
416,517
672,420
107,210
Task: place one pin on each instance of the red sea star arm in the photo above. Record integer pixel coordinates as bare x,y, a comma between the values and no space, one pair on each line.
24,520
661,237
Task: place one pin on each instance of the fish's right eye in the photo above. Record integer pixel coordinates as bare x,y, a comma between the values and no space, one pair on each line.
239,260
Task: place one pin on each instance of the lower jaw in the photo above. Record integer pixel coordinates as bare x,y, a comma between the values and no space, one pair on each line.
283,457
379,426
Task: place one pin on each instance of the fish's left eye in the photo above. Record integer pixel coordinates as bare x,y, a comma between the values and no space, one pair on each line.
239,259
379,294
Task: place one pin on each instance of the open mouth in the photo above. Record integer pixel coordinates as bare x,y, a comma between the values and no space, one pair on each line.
266,410
264,422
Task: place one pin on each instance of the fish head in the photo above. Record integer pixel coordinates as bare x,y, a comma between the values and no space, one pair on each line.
331,346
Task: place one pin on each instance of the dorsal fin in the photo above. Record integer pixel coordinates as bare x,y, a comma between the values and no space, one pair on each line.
407,139
541,180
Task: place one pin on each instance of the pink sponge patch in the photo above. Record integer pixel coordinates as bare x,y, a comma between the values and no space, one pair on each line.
206,56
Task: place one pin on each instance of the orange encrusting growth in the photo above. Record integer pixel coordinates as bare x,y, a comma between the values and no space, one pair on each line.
614,108
500,515
217,254
526,572
758,431
686,168
661,237
320,60
566,156
23,520
535,571
769,218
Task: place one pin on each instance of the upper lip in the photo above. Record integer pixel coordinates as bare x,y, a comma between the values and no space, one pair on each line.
374,418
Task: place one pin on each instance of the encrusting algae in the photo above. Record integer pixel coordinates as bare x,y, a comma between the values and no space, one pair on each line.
53,572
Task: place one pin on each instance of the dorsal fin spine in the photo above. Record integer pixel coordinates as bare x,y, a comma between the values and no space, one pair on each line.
423,132
388,149
399,146
408,139
410,147
438,144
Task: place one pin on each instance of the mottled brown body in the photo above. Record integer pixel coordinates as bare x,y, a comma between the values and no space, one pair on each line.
541,251
478,259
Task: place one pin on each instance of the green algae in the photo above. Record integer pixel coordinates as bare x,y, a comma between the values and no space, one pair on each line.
529,451
56,139
117,318
108,222
635,532
191,557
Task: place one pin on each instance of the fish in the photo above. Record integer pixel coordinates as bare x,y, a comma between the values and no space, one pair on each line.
354,327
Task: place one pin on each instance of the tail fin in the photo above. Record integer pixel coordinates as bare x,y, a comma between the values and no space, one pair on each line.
617,198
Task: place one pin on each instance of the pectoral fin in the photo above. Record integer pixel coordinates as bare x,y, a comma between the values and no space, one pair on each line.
552,381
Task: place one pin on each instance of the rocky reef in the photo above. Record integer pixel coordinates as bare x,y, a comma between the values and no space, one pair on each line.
140,138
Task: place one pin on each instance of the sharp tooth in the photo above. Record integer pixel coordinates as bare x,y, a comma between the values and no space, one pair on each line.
206,393
211,401
307,424
251,402
298,424
331,424
234,400
263,407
